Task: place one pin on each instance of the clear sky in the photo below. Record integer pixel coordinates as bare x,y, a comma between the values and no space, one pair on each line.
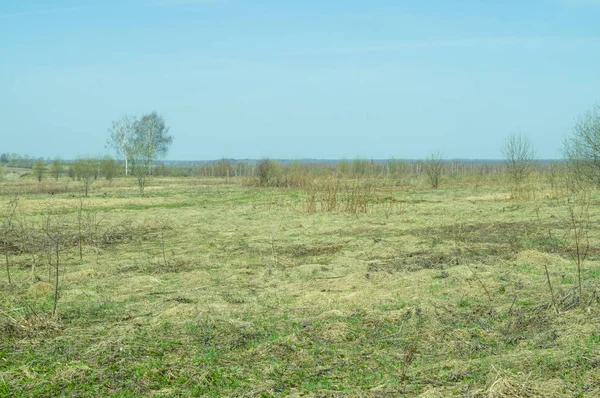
298,79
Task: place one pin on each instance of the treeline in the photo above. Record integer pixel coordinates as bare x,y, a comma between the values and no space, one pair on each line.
271,172
82,168
357,168
342,168
16,160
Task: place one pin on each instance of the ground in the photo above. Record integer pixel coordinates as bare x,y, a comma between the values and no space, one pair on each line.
212,288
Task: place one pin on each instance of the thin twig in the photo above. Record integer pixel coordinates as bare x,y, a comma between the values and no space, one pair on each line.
482,285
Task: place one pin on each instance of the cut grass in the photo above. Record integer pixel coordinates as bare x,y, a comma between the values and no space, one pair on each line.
349,296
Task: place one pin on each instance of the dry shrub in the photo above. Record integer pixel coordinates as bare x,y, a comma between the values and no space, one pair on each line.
357,198
525,325
268,171
124,232
27,324
297,178
326,194
433,168
311,199
525,192
570,298
329,196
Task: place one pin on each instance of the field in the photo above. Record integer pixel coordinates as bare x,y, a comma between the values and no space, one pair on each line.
215,287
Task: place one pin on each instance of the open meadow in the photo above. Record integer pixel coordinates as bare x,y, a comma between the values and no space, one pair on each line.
338,287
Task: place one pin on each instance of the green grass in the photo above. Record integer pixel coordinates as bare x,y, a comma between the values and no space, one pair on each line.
347,297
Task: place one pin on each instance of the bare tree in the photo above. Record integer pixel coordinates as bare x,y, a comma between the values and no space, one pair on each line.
53,226
519,157
7,229
121,136
582,149
433,167
578,221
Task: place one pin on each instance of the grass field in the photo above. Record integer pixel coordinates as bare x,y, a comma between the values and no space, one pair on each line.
207,288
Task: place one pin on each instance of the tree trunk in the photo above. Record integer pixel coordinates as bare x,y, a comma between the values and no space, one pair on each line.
57,273
7,266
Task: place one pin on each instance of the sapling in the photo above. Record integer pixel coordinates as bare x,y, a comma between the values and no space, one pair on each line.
80,226
53,227
163,225
578,221
7,227
432,167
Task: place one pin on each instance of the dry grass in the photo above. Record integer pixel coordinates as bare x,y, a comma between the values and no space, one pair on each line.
445,297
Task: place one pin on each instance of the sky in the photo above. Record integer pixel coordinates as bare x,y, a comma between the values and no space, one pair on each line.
298,79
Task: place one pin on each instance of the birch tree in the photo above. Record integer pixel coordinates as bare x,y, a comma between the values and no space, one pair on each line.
151,141
121,135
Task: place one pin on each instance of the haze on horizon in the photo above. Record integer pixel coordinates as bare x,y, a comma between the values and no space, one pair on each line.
311,79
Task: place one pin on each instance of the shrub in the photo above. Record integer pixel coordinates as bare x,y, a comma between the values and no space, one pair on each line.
109,168
519,158
267,171
39,168
432,167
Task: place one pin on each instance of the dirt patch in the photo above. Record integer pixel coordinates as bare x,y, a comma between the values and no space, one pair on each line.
505,233
129,231
416,261
506,237
311,251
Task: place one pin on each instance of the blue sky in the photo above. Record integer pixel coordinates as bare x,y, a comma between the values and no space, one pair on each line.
298,79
